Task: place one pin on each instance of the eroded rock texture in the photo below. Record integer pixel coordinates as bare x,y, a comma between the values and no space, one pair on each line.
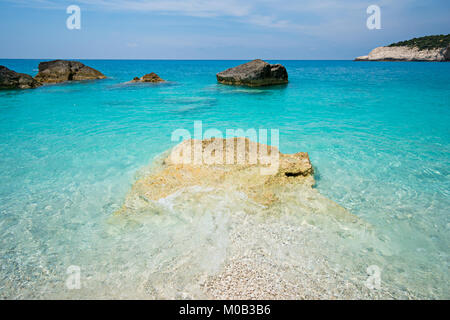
10,79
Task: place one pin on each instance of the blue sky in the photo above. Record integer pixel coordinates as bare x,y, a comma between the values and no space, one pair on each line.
214,29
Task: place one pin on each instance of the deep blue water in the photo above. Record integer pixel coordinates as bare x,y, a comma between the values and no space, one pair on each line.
378,135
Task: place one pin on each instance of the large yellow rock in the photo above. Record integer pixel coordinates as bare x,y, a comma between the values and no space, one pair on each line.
64,70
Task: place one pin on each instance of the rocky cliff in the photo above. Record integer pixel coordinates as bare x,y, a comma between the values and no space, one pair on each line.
428,48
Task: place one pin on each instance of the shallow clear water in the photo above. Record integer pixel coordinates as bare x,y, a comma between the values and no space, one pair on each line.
377,133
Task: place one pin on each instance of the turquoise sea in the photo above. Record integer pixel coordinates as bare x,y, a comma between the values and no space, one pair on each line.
378,135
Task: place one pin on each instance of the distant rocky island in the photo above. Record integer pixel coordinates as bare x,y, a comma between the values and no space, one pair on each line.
255,73
429,48
10,79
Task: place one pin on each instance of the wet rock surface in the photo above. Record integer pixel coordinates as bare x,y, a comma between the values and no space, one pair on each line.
404,53
254,73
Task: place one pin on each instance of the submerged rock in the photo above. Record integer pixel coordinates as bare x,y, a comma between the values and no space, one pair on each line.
151,77
64,70
267,177
254,73
10,79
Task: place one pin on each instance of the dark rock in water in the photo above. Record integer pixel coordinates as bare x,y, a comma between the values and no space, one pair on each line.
446,53
151,77
63,70
404,53
254,73
428,48
10,79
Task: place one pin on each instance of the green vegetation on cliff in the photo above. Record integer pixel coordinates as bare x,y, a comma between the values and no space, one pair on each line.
428,42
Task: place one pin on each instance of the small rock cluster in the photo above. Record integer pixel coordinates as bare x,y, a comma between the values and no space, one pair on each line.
58,71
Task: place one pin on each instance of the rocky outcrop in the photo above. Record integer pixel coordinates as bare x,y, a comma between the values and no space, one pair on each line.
262,173
10,79
407,53
151,77
254,73
63,70
233,163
